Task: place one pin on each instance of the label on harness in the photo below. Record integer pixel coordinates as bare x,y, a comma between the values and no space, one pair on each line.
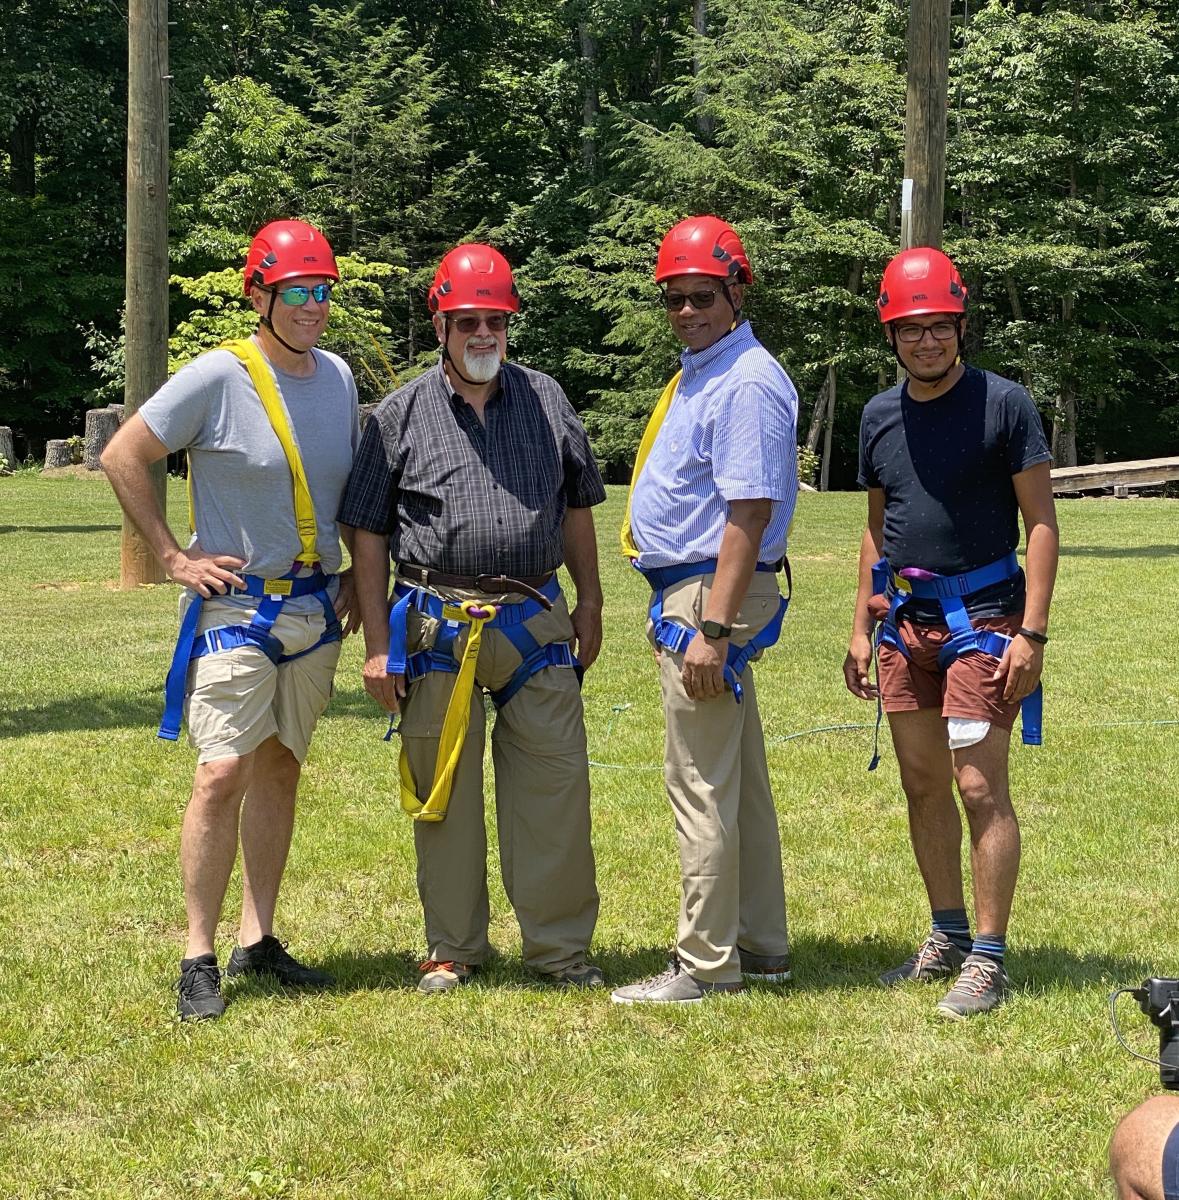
278,587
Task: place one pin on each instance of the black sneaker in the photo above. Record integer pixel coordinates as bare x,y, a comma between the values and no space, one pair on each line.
270,957
200,989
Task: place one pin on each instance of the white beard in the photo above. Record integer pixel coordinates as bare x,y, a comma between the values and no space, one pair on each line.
481,367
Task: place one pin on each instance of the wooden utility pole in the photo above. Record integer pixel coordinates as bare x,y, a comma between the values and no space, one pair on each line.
147,244
925,122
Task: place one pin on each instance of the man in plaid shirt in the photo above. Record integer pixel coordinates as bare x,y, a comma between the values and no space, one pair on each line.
476,480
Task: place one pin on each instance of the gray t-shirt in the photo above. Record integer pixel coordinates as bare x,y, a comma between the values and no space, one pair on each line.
243,497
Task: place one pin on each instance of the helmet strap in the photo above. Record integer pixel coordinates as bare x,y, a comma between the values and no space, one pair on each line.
266,320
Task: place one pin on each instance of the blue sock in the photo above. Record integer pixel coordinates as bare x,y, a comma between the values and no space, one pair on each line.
990,945
953,923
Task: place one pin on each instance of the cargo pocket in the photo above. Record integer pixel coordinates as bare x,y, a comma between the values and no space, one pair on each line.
424,707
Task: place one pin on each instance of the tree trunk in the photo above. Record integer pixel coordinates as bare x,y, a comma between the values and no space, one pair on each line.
705,125
58,453
22,154
147,246
825,471
7,451
1064,422
855,280
818,416
589,95
101,426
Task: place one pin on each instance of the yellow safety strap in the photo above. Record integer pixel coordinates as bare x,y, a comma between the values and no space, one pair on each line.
654,424
454,724
276,413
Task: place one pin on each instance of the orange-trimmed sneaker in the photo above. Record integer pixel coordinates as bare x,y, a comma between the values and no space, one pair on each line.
982,986
442,976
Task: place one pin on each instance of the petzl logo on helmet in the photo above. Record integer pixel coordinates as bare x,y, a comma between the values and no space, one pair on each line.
919,296
483,291
311,258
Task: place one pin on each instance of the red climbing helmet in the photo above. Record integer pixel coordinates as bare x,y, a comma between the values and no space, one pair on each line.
703,246
286,250
920,281
474,276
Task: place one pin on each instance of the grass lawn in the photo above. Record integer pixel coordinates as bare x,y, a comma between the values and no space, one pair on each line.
828,1088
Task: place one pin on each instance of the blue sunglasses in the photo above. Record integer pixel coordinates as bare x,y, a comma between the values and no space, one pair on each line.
296,297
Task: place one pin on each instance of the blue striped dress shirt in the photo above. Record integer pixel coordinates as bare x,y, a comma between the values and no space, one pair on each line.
728,435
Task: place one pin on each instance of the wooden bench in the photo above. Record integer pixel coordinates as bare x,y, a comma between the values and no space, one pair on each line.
1121,476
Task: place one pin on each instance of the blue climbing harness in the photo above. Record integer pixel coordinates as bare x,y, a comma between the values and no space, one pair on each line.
951,592
673,636
272,593
509,619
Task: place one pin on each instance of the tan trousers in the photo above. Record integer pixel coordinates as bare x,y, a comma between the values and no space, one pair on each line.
718,783
539,754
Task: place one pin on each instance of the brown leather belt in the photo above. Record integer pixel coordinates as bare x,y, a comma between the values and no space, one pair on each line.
493,584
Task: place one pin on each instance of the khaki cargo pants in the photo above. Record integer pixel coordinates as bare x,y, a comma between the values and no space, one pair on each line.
718,783
541,765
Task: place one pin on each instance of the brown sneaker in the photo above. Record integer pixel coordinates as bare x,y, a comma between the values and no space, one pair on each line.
765,968
442,976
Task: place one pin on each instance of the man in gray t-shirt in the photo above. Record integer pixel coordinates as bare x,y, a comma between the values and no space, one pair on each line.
270,425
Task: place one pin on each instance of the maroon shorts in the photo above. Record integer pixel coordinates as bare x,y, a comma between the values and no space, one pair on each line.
965,690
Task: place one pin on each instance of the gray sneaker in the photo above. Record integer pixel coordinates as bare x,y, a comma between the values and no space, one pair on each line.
765,968
576,975
983,985
936,958
673,986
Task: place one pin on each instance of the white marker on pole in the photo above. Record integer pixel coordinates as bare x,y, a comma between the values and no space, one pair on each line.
906,214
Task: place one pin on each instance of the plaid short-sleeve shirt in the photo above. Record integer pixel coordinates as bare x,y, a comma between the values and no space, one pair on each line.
454,494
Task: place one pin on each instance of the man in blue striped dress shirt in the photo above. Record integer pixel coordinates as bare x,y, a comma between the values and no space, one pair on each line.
709,513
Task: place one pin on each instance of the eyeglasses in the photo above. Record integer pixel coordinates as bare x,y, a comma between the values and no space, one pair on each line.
496,323
941,330
674,301
296,297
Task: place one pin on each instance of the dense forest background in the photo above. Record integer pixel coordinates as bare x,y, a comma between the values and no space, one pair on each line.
571,135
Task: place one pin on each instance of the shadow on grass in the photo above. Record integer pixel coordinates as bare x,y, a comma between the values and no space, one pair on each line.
1161,551
820,964
827,964
59,528
398,970
85,712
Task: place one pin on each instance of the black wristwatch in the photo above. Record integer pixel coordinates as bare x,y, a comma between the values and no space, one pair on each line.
714,629
1041,639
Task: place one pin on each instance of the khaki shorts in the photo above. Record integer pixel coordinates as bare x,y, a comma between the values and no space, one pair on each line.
238,698
965,690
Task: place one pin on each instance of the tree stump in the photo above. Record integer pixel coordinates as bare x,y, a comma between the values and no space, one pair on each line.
57,453
101,426
7,451
117,409
366,411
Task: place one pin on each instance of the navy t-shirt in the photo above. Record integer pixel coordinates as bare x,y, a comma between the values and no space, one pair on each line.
945,466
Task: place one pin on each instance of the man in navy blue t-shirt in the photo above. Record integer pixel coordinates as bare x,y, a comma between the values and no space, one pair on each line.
951,458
